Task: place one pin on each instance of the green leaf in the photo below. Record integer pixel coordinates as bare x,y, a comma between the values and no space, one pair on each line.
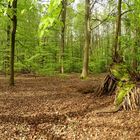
23,11
51,16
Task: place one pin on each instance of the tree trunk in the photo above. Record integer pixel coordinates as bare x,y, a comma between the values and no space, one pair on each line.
63,31
109,84
6,55
134,60
135,50
87,40
116,57
128,91
14,26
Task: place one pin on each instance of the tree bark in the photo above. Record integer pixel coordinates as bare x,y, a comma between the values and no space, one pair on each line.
13,35
109,85
116,56
135,50
6,55
87,40
63,31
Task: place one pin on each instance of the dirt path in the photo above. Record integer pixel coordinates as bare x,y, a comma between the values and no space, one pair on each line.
55,108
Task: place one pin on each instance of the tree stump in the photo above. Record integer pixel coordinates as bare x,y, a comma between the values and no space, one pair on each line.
120,82
108,86
132,100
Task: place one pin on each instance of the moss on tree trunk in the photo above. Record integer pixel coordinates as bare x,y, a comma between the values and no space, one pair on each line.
120,82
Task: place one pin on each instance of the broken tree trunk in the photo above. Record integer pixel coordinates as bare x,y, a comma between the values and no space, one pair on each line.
121,83
108,86
128,96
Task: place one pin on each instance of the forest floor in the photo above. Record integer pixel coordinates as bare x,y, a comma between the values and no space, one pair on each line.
58,108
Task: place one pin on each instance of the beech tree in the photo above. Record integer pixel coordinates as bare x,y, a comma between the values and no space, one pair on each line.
121,80
51,35
87,40
13,36
63,34
116,55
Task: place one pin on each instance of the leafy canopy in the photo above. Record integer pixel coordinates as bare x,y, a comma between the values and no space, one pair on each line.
50,16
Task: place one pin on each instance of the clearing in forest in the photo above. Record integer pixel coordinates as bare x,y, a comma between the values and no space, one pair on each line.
61,108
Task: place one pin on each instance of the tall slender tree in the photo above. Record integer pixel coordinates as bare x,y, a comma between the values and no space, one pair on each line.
87,40
63,31
110,84
7,47
13,35
116,56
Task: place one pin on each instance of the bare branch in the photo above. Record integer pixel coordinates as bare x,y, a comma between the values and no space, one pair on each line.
93,4
127,11
104,20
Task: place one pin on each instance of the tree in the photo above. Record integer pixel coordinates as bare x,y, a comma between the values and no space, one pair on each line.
109,84
13,36
63,31
87,40
59,45
120,78
116,57
7,48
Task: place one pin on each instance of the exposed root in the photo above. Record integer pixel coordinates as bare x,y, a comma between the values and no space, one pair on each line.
108,111
108,86
127,93
116,109
132,100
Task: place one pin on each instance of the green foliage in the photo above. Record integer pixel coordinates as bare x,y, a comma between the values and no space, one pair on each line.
124,86
98,66
120,72
51,16
123,89
39,33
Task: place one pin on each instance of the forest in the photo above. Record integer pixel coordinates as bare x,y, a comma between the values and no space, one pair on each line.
69,69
